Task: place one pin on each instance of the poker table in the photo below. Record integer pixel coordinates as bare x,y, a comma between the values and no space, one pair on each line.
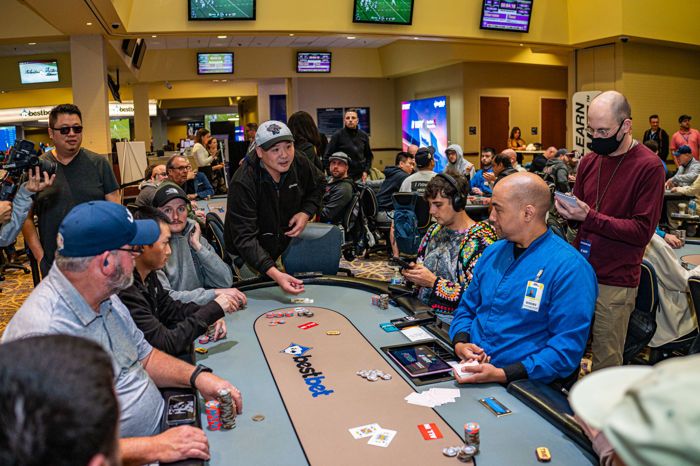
303,382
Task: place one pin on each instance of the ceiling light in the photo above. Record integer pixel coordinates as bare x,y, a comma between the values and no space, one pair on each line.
32,43
88,24
416,38
224,80
221,37
291,35
522,45
154,36
215,80
351,37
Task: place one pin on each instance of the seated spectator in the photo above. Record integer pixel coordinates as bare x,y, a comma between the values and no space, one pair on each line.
417,182
194,272
47,384
457,163
502,167
672,206
515,141
167,324
571,159
556,172
642,415
688,168
672,240
451,247
654,147
514,160
180,172
540,160
97,243
479,184
339,190
674,317
394,177
202,186
153,177
528,309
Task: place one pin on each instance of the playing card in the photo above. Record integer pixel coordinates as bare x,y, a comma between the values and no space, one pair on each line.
382,438
459,374
365,431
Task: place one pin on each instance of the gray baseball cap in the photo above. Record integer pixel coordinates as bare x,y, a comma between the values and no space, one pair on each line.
271,132
340,156
651,416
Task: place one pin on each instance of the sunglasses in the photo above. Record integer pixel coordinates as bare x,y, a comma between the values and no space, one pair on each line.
77,129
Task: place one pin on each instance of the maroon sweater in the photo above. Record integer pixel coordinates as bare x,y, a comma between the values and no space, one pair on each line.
624,222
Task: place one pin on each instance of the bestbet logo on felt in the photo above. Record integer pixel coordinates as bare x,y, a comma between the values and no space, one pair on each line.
312,378
430,431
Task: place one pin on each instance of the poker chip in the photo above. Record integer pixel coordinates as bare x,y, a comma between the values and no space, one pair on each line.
258,418
466,453
212,410
272,323
201,350
386,376
270,315
381,301
203,340
211,332
281,322
227,409
373,375
451,451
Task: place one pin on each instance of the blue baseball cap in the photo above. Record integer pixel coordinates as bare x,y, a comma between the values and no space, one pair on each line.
683,150
94,227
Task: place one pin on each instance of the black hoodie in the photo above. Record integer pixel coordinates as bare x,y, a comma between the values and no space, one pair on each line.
392,183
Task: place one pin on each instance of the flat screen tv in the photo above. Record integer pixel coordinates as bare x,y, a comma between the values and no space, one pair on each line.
506,15
215,63
38,71
120,129
313,62
221,10
8,134
424,123
383,11
139,53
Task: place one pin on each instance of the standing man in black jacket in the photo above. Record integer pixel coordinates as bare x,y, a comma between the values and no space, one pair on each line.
658,135
271,198
354,142
167,324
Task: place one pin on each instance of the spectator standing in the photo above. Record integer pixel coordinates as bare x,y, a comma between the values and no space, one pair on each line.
658,135
686,136
355,143
307,139
619,187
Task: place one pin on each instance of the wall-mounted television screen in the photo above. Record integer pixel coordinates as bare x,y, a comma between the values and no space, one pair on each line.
215,63
216,10
313,62
8,134
193,126
424,123
120,129
38,71
383,11
139,53
506,15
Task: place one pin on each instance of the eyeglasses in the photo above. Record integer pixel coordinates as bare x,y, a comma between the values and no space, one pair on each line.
185,167
602,132
77,129
132,249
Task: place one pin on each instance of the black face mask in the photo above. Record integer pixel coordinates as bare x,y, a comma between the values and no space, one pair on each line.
605,146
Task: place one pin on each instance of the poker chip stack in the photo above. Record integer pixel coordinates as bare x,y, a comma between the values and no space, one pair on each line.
211,332
228,409
211,408
381,301
471,435
373,375
466,453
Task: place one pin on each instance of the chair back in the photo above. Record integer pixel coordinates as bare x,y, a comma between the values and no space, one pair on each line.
214,232
642,324
694,286
316,249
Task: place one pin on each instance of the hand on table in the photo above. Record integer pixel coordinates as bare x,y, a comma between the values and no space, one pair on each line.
297,224
484,373
668,184
477,192
5,211
181,443
290,284
227,302
219,329
470,352
35,182
674,189
209,385
419,275
234,293
673,241
569,212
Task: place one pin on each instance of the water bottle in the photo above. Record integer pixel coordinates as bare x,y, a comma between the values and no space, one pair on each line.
692,206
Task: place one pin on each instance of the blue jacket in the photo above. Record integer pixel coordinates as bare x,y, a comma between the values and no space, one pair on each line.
479,182
549,343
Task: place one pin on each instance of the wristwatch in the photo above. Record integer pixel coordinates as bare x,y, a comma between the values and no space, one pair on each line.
198,370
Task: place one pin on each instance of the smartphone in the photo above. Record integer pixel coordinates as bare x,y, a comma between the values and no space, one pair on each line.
401,262
181,410
410,321
571,200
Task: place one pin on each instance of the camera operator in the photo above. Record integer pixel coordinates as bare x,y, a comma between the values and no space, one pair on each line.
13,213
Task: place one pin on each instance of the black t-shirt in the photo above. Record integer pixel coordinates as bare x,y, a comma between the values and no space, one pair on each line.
88,177
517,252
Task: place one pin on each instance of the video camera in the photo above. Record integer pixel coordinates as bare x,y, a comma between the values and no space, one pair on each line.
22,157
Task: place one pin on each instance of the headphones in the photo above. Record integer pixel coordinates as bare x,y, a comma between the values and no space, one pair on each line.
459,202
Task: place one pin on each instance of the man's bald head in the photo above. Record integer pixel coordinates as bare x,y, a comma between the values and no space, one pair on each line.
512,155
612,102
524,189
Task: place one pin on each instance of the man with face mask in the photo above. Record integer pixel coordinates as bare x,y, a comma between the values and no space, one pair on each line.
619,190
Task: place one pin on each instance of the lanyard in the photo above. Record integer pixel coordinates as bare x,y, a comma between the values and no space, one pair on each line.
599,200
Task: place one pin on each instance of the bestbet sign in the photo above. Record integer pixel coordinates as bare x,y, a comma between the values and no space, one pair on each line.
17,115
313,379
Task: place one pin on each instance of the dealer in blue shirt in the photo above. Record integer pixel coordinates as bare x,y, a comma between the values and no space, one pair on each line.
528,309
